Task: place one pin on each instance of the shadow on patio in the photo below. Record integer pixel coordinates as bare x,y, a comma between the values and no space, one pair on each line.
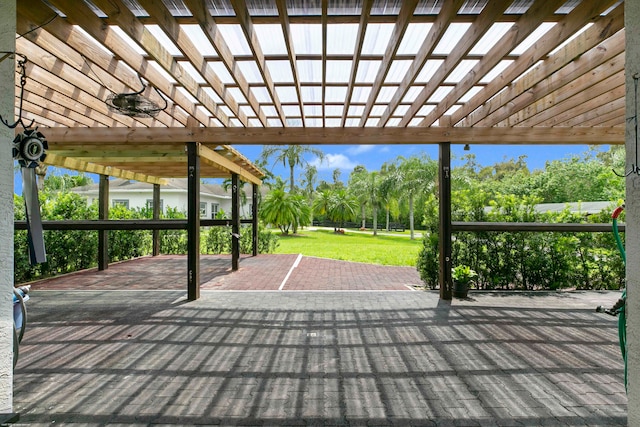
318,358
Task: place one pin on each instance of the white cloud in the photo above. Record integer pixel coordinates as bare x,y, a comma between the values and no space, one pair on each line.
334,161
359,149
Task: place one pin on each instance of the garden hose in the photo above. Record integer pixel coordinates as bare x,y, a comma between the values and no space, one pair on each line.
619,308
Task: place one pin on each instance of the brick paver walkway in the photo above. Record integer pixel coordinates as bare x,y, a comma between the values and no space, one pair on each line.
139,358
263,272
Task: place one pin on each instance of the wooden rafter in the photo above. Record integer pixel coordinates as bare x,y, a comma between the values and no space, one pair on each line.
171,28
113,42
247,27
83,166
437,30
521,29
478,28
565,89
212,32
404,17
574,21
288,40
362,27
134,29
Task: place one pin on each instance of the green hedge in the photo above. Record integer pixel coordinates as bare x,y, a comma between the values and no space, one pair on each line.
523,260
69,251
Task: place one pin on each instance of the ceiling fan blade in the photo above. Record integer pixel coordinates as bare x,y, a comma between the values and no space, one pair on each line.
35,235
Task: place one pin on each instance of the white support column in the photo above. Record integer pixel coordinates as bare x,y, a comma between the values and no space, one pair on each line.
632,69
7,98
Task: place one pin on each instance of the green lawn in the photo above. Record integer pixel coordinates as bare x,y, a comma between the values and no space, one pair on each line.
352,246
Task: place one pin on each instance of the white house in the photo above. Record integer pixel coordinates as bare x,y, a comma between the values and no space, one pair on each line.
138,195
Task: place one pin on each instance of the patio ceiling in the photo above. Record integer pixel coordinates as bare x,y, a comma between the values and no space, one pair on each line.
316,72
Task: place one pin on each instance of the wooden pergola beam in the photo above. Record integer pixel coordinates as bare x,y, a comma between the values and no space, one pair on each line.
178,36
518,32
399,29
212,32
81,137
480,26
83,166
207,155
246,23
600,31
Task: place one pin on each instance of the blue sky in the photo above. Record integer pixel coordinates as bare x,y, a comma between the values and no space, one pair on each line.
346,157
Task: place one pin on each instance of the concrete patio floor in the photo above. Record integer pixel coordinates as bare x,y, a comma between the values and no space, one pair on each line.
129,356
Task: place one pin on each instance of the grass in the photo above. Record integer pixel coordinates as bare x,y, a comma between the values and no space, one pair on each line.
352,246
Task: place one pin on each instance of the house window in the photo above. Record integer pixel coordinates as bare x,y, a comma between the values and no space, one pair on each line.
120,202
203,209
214,210
150,205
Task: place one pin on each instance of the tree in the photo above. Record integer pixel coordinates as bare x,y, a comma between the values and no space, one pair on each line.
415,177
226,186
358,187
285,210
366,188
308,183
387,192
342,207
291,156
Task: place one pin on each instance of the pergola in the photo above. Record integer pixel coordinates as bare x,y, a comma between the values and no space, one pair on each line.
323,72
327,72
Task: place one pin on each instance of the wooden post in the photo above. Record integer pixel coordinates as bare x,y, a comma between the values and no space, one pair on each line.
156,215
444,233
103,213
235,222
254,217
193,222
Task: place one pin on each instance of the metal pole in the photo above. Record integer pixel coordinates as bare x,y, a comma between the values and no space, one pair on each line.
103,214
193,222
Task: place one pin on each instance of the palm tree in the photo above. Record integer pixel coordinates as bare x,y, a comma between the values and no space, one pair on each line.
358,183
290,155
285,210
226,186
308,184
388,191
342,207
415,177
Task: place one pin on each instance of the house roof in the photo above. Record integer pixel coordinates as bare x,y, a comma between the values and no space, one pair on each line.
322,72
176,184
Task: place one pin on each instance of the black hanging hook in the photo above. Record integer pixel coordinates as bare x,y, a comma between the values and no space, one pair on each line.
23,81
635,167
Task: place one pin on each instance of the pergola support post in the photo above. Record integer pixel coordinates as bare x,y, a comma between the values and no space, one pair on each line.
254,217
193,222
156,215
103,214
444,230
235,221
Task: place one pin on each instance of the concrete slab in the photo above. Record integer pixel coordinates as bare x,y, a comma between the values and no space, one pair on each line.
127,357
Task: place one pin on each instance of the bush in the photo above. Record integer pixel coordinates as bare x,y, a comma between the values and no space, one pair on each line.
523,260
217,240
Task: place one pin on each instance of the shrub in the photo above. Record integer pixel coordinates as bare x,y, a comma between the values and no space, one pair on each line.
523,260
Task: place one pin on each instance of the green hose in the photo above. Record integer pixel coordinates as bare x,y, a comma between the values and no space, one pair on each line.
622,317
